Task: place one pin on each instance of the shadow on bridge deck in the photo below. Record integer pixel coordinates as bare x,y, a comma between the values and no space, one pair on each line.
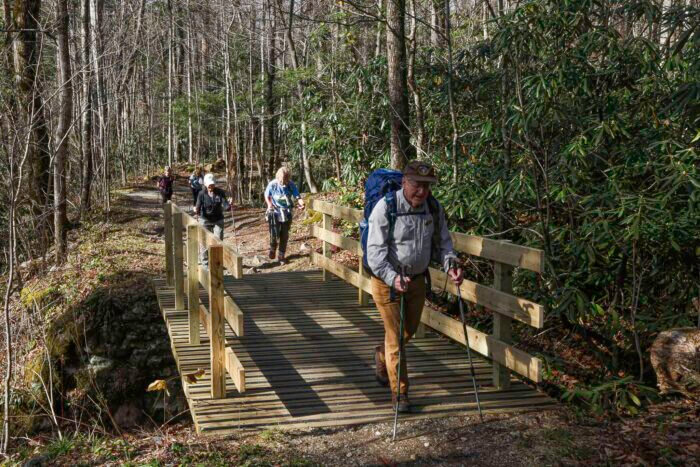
308,354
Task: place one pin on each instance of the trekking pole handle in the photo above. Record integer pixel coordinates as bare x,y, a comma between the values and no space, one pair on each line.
402,275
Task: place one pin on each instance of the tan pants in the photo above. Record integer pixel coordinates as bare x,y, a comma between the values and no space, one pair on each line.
413,308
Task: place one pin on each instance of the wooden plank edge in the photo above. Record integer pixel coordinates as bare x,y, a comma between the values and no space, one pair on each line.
344,272
512,358
336,239
235,370
233,315
342,212
517,308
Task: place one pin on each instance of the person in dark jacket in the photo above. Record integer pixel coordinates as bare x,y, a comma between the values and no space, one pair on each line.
165,185
210,207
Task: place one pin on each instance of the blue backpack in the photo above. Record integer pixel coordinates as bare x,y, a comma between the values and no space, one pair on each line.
384,183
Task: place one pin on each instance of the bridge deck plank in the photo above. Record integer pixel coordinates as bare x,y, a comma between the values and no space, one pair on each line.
309,362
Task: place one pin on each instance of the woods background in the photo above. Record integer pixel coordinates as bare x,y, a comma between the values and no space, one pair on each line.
571,126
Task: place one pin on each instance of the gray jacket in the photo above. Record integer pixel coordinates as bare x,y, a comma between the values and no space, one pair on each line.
411,243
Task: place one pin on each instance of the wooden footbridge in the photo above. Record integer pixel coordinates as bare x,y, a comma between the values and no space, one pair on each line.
296,349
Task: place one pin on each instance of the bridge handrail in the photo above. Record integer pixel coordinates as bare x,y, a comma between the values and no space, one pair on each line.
222,308
497,298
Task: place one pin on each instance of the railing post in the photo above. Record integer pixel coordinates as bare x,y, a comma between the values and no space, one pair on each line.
217,336
328,225
177,255
168,233
503,281
362,296
193,282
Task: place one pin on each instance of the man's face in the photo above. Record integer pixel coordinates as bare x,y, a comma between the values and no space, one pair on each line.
415,192
210,187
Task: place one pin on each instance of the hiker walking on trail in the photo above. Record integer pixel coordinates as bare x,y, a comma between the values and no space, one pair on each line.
210,206
196,183
165,185
406,230
279,196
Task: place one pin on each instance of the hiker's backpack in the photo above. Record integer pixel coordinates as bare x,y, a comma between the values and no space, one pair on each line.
384,183
195,182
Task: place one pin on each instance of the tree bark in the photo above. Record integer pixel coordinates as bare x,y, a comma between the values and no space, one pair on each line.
62,132
401,149
86,118
26,63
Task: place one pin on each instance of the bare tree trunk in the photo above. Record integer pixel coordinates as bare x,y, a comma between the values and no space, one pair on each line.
86,118
64,125
401,149
380,30
437,24
421,142
26,46
96,52
453,116
306,167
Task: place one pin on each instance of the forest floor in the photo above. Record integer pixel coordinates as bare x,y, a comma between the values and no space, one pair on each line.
664,434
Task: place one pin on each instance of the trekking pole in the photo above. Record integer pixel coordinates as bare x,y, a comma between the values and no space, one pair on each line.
469,352
233,226
398,371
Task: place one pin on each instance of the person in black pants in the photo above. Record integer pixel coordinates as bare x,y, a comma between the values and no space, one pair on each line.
210,207
196,184
279,196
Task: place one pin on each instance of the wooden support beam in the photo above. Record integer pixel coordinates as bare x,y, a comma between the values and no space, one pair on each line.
500,352
178,262
327,226
342,212
203,276
362,295
217,337
330,237
233,262
502,325
205,318
168,233
500,251
235,370
234,316
193,283
341,271
501,302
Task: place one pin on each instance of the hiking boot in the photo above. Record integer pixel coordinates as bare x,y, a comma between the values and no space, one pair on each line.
380,367
282,259
272,254
404,403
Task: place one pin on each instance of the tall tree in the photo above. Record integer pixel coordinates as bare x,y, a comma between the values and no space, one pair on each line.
401,149
62,131
86,114
26,62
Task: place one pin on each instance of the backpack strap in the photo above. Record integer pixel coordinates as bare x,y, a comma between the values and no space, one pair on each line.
435,241
391,212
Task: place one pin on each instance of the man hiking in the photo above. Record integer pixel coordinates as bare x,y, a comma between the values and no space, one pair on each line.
165,185
279,196
210,207
402,236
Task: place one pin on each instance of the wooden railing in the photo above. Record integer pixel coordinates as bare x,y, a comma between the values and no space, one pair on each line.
222,308
498,297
